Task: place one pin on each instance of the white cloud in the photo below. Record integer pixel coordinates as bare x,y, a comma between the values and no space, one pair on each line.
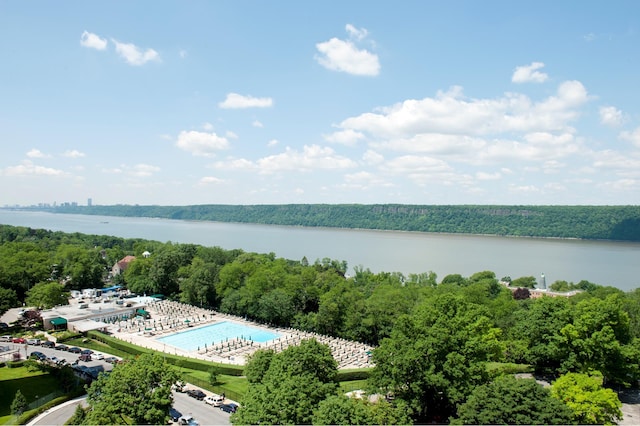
529,74
73,154
27,168
344,56
201,143
207,126
372,157
211,180
93,41
364,180
347,137
312,157
231,135
36,153
257,123
488,176
134,55
452,113
143,170
236,101
633,136
272,142
611,116
356,33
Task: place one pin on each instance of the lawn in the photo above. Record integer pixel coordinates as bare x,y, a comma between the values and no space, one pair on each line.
32,384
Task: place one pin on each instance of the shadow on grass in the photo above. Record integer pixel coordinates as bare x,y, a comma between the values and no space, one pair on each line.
31,387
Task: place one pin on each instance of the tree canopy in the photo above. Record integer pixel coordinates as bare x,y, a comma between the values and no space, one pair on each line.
137,392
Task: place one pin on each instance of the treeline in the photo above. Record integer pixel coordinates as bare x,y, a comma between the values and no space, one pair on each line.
583,222
435,337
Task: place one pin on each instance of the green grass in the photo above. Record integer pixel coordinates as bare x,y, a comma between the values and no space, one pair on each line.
352,385
32,384
98,347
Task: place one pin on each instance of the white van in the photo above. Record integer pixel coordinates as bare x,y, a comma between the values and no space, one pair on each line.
215,400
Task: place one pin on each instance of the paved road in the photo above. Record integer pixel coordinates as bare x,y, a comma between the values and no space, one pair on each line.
204,414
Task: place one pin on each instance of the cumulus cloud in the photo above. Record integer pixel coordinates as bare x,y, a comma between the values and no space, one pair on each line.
529,74
201,143
257,123
36,153
134,55
93,41
74,153
211,180
236,101
451,113
143,170
312,157
347,137
344,56
372,157
611,116
633,136
28,168
272,142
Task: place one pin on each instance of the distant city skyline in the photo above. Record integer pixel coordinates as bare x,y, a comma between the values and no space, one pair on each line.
248,102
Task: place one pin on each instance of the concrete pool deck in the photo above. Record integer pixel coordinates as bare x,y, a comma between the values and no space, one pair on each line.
168,317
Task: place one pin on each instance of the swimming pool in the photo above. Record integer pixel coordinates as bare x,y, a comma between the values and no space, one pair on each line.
216,333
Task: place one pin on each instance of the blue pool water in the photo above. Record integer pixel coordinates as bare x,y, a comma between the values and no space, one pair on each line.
216,333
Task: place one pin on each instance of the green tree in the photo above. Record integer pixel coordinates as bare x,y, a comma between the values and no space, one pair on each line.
78,417
512,401
258,364
436,357
19,403
47,295
588,400
341,410
138,392
8,299
297,379
526,282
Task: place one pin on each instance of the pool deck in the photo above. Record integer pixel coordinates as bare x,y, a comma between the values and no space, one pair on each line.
169,317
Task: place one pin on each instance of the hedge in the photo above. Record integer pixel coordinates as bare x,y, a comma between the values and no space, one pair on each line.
178,361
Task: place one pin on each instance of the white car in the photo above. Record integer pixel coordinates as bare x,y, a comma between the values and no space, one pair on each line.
97,356
215,400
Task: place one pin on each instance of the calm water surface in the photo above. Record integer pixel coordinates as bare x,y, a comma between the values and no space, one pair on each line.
606,263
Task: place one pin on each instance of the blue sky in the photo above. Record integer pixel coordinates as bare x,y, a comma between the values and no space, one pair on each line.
255,102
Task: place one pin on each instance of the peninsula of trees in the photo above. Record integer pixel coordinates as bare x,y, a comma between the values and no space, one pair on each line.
620,223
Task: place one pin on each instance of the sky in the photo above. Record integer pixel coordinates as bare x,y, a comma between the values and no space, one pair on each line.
278,102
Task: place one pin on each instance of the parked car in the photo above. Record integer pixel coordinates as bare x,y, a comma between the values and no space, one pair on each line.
18,340
229,408
38,355
86,352
48,344
187,420
85,357
174,414
54,359
5,338
4,325
111,359
197,394
97,356
179,387
74,350
215,400
33,342
61,347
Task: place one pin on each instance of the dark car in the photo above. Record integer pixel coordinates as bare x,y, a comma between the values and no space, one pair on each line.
61,347
174,414
74,350
4,325
113,360
197,394
85,357
48,344
39,355
229,408
86,352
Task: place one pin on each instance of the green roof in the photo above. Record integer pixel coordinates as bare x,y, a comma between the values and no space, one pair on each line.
58,321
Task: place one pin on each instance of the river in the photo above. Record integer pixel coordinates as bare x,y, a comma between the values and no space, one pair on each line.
601,262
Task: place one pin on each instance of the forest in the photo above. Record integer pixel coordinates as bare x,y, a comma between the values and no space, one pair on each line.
436,338
621,223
